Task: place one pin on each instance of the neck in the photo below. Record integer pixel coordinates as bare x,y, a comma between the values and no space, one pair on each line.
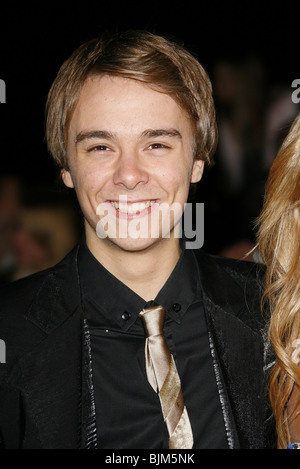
144,271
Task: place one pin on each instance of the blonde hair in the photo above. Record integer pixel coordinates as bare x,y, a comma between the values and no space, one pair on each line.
162,64
278,238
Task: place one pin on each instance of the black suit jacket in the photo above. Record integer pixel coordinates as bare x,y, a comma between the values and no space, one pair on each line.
46,388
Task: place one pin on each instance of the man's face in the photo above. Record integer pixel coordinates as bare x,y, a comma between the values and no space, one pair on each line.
129,143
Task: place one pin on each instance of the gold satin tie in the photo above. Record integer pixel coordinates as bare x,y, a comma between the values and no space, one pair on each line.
163,376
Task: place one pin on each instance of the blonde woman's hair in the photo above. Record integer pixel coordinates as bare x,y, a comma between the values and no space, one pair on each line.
278,238
140,55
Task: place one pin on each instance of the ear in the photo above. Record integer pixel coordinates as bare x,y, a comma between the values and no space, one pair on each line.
197,171
67,178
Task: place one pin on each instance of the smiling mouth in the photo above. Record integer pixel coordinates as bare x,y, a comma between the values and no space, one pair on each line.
132,208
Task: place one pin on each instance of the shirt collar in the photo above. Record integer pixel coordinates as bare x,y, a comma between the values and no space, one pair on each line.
122,305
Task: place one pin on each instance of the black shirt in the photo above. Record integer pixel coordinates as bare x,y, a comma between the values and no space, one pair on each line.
128,411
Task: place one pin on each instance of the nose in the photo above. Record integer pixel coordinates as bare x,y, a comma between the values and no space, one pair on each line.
130,171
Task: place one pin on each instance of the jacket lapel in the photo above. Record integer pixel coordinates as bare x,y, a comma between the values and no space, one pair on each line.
51,380
232,307
60,400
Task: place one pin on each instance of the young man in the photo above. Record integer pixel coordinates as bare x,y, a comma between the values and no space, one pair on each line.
131,122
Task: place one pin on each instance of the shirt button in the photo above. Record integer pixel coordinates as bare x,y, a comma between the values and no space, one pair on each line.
125,316
176,307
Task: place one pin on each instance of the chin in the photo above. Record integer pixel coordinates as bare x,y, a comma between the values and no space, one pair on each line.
134,245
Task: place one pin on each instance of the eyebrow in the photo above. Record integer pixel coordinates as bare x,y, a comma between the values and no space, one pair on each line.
93,134
153,133
149,133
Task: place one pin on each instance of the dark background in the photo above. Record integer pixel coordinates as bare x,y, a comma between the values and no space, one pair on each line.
35,38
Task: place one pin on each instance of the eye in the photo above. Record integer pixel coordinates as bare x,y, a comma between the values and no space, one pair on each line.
99,148
157,146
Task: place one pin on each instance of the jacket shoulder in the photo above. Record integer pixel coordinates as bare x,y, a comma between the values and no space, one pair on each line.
242,271
235,286
17,333
30,308
18,295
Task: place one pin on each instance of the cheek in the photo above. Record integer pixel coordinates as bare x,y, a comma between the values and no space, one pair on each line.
88,179
179,175
177,171
86,188
177,185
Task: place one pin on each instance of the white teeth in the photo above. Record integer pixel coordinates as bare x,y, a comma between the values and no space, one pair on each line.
132,208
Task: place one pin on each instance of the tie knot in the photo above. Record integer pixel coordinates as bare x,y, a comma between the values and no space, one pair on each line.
153,320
